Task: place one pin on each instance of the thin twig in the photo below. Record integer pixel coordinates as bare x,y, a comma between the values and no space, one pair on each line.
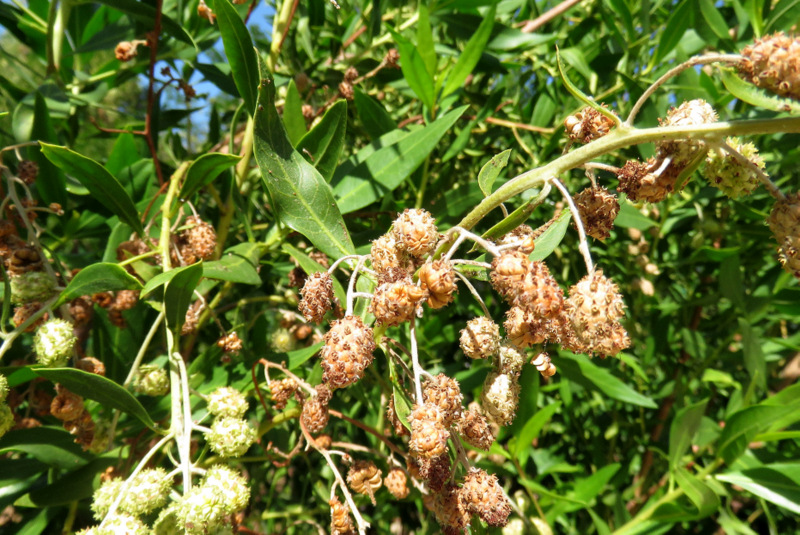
583,246
415,361
473,291
533,25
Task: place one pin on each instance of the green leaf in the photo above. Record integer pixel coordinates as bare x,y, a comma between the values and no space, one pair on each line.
293,119
491,170
232,268
754,360
101,184
386,168
300,356
101,277
323,144
778,483
580,369
425,39
239,51
50,183
699,493
414,71
745,424
75,485
751,94
96,387
532,428
179,293
783,16
303,200
682,431
552,237
676,26
580,95
204,170
373,116
630,217
714,20
469,58
52,446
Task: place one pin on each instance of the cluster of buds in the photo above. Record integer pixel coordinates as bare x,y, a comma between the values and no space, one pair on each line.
726,172
230,434
151,380
69,408
54,342
347,351
317,296
597,209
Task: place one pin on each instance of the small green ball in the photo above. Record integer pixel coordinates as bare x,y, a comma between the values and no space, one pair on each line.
31,286
53,343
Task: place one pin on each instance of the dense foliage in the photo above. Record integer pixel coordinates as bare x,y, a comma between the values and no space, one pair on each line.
231,234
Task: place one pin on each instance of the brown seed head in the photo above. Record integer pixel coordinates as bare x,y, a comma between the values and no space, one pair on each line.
351,74
428,433
364,478
544,365
436,471
651,181
341,523
346,90
396,302
25,311
315,414
230,343
475,430
480,338
67,405
439,280
444,392
125,300
682,152
482,495
510,359
523,328
200,237
773,62
347,351
540,293
317,296
449,509
500,397
91,365
415,232
81,310
508,273
594,308
396,482
392,57
597,208
522,237
281,391
125,51
784,221
23,259
386,255
27,171
587,125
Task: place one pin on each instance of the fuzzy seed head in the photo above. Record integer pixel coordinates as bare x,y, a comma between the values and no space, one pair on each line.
510,359
480,338
125,51
151,381
364,478
508,273
439,280
396,302
396,483
598,209
523,328
6,418
540,293
482,495
475,430
728,174
315,414
500,397
387,255
649,181
681,151
436,471
428,434
416,232
281,391
449,509
444,392
230,437
27,171
594,308
227,401
201,238
784,221
341,523
317,296
523,238
347,351
200,510
230,485
544,365
31,286
53,343
146,492
773,63
587,125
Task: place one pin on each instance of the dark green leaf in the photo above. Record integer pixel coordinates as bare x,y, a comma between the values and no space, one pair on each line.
96,278
469,58
323,144
414,71
232,268
386,168
179,293
76,485
714,20
101,184
300,195
676,26
698,492
583,371
630,217
532,429
300,356
425,39
757,97
293,119
96,387
375,119
552,237
204,170
754,360
745,424
778,483
239,51
147,14
52,446
783,16
50,182
682,431
491,170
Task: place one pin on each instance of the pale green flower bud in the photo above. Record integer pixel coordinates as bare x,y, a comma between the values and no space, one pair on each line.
53,343
127,524
167,522
282,341
728,174
104,496
31,286
6,419
515,526
230,437
102,438
146,492
200,510
227,401
151,381
3,388
230,485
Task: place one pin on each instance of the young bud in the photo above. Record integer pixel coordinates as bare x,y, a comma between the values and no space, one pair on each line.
500,397
227,401
146,492
104,496
317,296
347,351
6,418
229,485
200,510
481,338
230,437
122,523
151,381
416,232
53,343
725,172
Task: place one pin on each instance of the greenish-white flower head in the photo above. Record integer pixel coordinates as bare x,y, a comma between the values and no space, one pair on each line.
31,286
53,343
227,401
146,492
200,510
6,418
151,381
230,485
230,437
122,523
282,341
3,388
104,496
167,522
728,173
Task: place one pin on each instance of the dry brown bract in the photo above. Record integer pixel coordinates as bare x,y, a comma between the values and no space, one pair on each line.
444,392
439,280
428,433
594,308
317,296
364,478
347,351
587,125
396,302
482,495
598,209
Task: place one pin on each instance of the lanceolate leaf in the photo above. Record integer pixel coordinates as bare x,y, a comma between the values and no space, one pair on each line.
491,170
551,238
102,185
147,14
682,431
386,168
239,50
204,170
469,58
778,483
415,72
50,180
323,144
293,118
301,197
96,387
179,293
755,96
375,119
581,370
102,277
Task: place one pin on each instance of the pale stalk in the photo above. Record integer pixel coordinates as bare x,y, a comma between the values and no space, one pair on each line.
351,286
583,245
474,292
415,361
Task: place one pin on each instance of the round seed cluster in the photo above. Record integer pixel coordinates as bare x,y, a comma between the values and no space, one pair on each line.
364,478
227,401
500,397
66,405
230,437
315,413
386,255
444,392
598,209
482,495
198,242
587,125
784,222
347,351
510,359
317,296
341,523
53,343
480,338
396,482
474,428
439,280
773,62
594,308
281,391
727,173
416,232
428,434
396,302
151,381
